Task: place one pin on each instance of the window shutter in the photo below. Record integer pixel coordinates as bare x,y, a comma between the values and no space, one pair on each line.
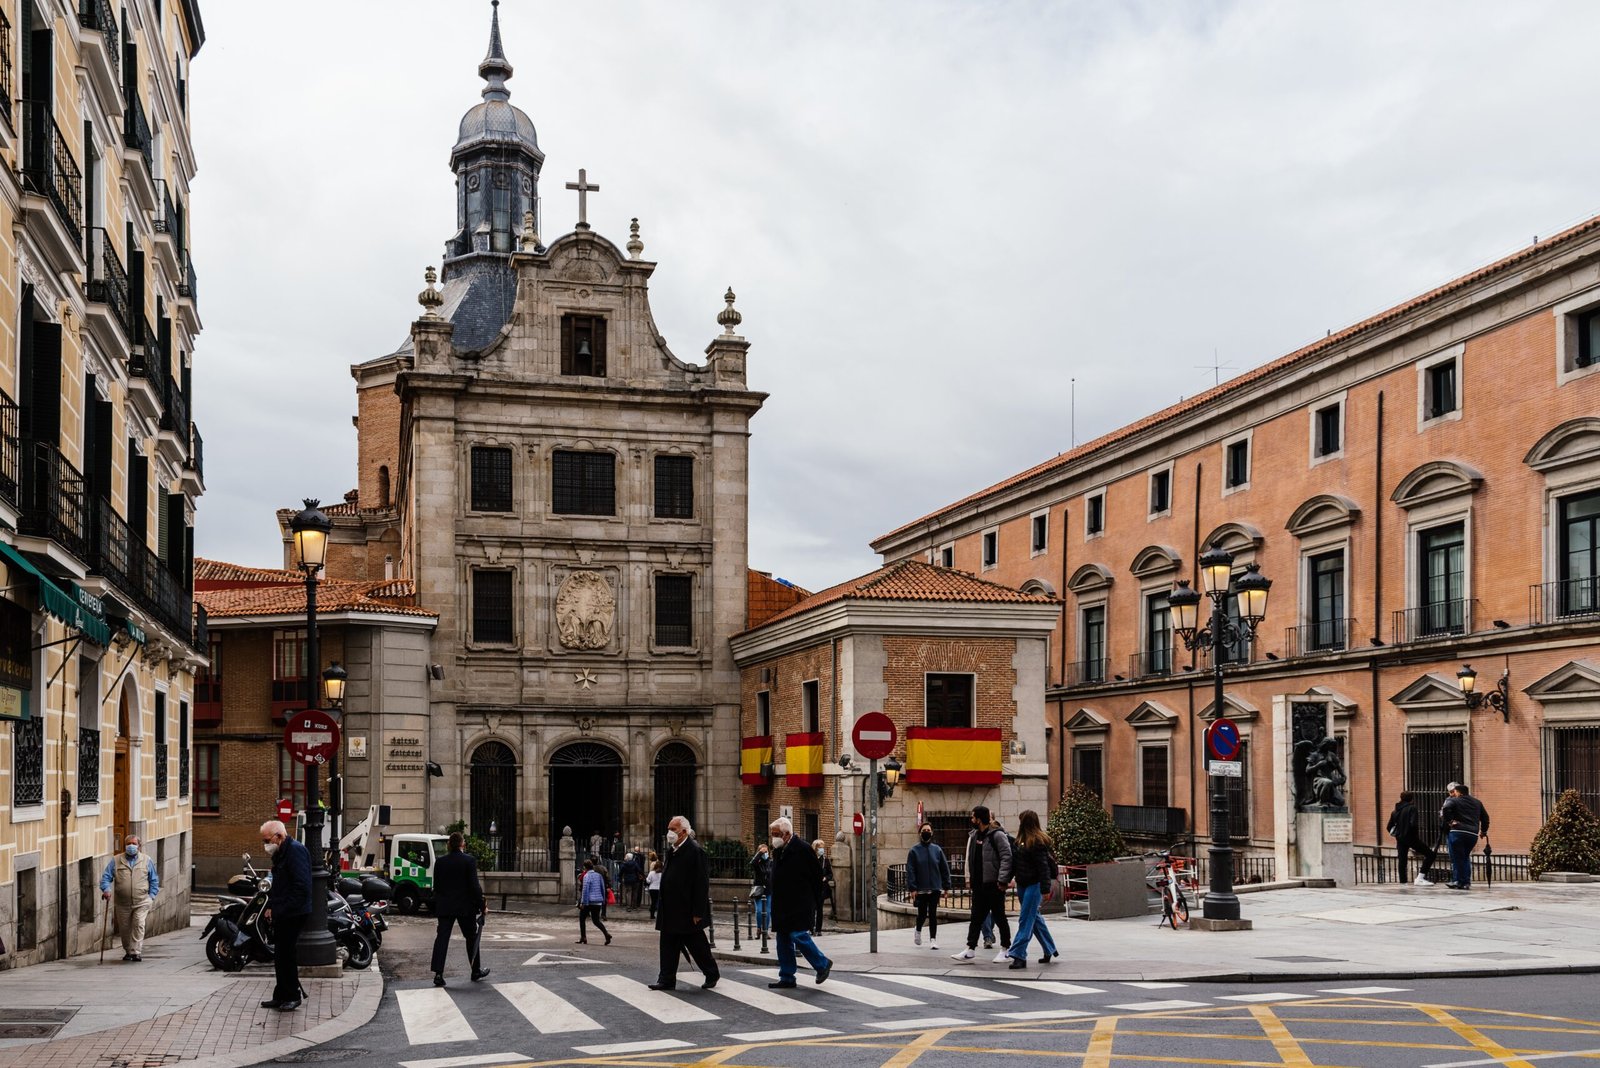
99,453
176,549
138,492
566,345
600,348
136,288
44,400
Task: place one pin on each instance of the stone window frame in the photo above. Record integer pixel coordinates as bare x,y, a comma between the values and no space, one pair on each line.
947,554
1151,511
1315,411
1090,585
696,629
1454,354
1153,724
1568,313
1089,509
695,481
490,443
989,548
1035,548
1569,697
1247,438
1089,730
1436,494
619,496
1568,456
471,641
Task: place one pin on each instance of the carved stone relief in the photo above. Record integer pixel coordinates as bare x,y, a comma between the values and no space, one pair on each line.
586,606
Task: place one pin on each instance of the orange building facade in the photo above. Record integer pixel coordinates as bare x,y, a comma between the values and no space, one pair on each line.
1423,488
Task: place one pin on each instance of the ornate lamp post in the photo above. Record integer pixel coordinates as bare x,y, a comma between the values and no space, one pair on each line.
333,681
1219,632
310,528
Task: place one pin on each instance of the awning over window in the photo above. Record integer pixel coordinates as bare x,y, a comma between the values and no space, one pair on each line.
121,619
75,608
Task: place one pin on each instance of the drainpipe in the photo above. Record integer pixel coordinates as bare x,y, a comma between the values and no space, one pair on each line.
1194,577
1377,619
833,727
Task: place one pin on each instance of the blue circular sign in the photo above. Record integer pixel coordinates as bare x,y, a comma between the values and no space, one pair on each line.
1222,740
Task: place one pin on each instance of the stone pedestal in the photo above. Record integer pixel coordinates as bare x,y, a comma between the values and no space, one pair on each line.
1322,848
567,866
844,878
1200,923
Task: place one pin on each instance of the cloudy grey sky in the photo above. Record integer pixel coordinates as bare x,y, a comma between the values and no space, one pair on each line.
935,214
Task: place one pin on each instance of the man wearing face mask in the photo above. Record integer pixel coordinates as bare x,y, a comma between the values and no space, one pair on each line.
288,906
684,908
988,872
131,883
795,876
825,887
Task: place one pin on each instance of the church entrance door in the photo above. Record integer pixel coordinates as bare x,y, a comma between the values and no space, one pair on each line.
675,790
122,777
494,801
585,793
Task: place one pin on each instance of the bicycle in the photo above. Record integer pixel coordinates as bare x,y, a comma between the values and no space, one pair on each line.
1172,876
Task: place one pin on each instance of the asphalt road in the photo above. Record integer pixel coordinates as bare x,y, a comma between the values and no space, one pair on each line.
548,1001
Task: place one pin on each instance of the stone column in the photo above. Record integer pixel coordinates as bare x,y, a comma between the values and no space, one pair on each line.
568,867
843,876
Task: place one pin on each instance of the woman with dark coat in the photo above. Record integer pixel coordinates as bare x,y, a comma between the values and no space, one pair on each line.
1033,867
1408,839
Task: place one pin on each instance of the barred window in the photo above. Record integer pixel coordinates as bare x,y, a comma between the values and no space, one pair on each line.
491,479
1153,776
1088,767
1238,791
674,487
88,766
208,777
493,616
1574,764
27,761
584,483
674,610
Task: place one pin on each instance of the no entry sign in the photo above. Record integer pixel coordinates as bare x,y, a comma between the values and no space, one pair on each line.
311,736
874,736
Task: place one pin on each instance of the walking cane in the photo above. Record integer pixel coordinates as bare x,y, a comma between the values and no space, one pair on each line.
475,950
105,933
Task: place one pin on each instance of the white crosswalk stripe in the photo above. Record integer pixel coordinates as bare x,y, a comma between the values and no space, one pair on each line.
767,1001
931,985
657,1004
1158,1006
1042,1014
430,1016
861,995
921,1024
1050,987
615,1048
782,1034
1358,991
468,1061
1263,996
550,1014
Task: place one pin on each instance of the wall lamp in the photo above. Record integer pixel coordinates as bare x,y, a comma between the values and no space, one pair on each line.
1498,698
888,779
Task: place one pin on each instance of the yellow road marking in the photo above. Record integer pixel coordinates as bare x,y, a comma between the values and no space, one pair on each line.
1104,1035
1480,1041
1282,1040
911,1052
727,1053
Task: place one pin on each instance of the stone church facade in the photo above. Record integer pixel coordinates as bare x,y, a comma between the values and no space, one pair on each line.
570,497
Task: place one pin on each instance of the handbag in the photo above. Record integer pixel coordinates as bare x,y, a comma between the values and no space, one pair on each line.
757,892
611,896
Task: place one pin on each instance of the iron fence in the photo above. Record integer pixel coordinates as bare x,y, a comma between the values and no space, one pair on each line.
959,896
532,860
1486,868
118,553
1566,599
49,167
108,278
1441,619
1247,868
1148,662
1153,821
1323,636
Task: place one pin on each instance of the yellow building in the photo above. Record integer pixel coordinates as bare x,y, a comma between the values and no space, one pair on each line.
100,464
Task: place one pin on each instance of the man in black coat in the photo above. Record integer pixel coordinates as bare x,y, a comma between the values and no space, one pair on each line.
288,906
457,901
796,875
1403,827
685,907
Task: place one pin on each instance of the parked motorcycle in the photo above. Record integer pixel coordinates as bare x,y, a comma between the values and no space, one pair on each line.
240,932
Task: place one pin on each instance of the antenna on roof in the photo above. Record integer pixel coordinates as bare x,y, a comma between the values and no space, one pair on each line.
1216,367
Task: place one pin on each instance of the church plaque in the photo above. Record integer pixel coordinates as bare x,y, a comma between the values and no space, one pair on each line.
585,609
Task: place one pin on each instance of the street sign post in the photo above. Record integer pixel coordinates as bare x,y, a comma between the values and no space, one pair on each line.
875,737
311,736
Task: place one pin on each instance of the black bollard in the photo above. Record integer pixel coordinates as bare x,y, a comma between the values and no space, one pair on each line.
736,925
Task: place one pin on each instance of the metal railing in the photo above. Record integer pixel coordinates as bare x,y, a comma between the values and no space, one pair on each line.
10,449
52,498
197,452
1438,620
530,860
98,15
119,554
108,278
186,278
165,218
175,409
5,68
161,771
136,128
1148,662
959,896
1158,821
1088,672
1498,868
1246,868
1573,598
49,167
1324,636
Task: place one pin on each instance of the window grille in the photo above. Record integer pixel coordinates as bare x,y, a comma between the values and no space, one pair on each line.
88,766
674,610
493,614
583,483
674,487
491,479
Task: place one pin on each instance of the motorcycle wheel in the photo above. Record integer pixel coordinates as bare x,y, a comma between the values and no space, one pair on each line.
221,954
358,951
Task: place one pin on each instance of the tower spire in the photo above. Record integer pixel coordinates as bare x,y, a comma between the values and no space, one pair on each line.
495,68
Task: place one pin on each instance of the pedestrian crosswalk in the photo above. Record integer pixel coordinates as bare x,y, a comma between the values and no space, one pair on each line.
589,1007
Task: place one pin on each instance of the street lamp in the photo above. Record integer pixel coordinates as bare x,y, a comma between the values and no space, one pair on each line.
1216,573
1498,699
310,527
333,682
888,779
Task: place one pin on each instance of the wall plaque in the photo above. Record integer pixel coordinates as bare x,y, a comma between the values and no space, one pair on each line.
1337,828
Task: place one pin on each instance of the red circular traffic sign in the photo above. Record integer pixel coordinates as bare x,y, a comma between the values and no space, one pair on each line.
311,736
874,735
285,809
1222,739
857,824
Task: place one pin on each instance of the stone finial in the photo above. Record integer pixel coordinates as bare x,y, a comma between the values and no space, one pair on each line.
430,298
635,246
729,317
530,235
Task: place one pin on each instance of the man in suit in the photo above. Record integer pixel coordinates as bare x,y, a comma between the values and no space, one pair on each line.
288,906
796,875
457,901
685,907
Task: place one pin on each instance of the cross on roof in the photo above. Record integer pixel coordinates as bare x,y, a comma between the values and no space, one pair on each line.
584,189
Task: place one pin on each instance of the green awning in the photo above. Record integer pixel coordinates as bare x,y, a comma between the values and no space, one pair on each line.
67,607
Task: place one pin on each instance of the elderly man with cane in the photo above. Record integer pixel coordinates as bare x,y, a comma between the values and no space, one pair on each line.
131,883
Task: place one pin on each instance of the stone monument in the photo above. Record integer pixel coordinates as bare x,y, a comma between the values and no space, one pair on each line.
1321,845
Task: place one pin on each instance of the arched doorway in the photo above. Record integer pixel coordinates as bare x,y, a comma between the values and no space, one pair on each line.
675,772
122,770
493,806
585,793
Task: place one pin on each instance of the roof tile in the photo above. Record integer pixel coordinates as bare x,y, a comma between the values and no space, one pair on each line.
913,580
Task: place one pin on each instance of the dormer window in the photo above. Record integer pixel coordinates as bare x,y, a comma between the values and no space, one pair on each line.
583,346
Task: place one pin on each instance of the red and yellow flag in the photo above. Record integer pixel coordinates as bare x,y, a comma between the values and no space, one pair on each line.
802,756
968,755
754,752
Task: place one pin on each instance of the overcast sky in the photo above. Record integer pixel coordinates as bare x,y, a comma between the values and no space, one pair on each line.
935,215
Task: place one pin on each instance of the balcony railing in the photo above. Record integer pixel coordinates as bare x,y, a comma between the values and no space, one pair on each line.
175,413
136,128
10,450
1148,662
1438,620
166,216
1569,599
119,554
1088,672
99,15
186,279
48,166
1151,821
52,498
108,278
197,452
5,68
183,773
1323,636
161,771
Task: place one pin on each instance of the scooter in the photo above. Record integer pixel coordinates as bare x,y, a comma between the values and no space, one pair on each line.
240,933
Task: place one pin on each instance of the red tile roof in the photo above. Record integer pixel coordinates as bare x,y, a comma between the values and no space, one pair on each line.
766,596
1309,352
393,596
913,580
217,575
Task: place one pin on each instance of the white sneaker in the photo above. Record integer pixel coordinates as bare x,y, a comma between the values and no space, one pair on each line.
1002,957
932,944
1423,880
917,938
965,954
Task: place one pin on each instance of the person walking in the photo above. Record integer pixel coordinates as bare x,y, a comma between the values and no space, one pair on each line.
457,902
632,878
652,883
1402,827
131,884
825,887
927,877
597,845
591,899
988,872
684,908
1034,867
1464,818
288,907
761,884
795,875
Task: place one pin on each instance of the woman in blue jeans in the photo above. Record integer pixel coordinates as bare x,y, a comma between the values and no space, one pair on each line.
1033,867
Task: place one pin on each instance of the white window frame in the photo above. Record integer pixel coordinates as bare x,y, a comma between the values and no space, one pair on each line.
1033,518
1090,535
1149,492
1248,437
1336,401
1567,313
989,563
1454,355
1335,541
947,554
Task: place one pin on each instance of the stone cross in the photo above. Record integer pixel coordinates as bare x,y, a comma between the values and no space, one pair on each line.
584,189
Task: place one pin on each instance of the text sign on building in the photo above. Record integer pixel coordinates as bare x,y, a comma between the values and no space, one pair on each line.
874,736
1338,828
1226,769
311,736
1222,740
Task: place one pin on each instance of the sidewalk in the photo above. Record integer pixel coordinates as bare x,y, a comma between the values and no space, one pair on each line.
172,1007
1372,932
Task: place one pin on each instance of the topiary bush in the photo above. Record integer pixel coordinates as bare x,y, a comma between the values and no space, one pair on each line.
728,858
476,848
1082,829
1569,839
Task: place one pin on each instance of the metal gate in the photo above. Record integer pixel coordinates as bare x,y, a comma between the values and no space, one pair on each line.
1433,761
494,801
675,773
585,793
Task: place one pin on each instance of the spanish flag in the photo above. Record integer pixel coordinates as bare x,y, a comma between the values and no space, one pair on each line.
802,758
754,752
967,755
